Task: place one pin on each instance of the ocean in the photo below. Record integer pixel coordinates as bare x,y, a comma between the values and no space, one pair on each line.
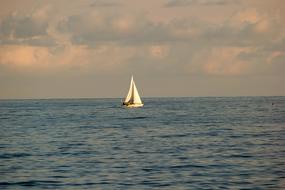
170,143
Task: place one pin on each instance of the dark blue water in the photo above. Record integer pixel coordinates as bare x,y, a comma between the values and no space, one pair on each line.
170,143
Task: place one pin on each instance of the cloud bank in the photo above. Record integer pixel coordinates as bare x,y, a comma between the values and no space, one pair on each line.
114,38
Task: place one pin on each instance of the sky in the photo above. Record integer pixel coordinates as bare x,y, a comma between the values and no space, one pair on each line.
174,48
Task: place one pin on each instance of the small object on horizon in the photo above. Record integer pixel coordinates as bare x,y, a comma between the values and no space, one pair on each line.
133,98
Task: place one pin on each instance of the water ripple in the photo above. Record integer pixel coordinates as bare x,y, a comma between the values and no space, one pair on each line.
170,143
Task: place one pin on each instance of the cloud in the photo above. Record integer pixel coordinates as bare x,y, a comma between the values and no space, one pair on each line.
15,26
42,14
43,58
247,16
276,57
25,29
23,55
278,45
159,51
70,58
245,28
95,27
224,61
260,23
105,3
182,3
97,40
182,45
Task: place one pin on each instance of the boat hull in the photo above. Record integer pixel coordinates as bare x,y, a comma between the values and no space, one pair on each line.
133,105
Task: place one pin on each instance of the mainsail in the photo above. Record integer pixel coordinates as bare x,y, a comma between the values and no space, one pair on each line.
133,98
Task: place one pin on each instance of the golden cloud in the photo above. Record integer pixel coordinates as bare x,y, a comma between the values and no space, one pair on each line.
274,55
159,51
224,61
23,55
102,58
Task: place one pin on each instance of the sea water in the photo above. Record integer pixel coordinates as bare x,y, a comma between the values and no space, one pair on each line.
170,143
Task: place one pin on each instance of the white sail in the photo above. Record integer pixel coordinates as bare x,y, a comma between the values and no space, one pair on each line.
129,96
136,96
133,98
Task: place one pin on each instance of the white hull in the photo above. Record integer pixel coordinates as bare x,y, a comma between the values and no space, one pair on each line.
134,105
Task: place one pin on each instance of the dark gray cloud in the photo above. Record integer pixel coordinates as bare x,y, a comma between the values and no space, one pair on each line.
228,35
139,31
18,29
143,31
22,27
275,46
40,41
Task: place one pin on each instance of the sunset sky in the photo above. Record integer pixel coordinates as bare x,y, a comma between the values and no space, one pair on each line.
90,48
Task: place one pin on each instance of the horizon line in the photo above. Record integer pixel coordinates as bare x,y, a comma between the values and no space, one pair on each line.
147,97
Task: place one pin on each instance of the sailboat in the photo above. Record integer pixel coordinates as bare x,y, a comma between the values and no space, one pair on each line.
133,99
